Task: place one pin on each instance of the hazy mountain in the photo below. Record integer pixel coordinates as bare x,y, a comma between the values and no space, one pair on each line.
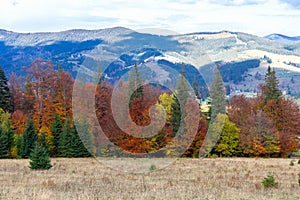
282,38
243,57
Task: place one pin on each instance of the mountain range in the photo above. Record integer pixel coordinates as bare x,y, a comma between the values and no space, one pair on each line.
243,58
282,38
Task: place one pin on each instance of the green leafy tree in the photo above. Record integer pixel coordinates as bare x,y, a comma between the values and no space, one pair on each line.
6,102
56,130
217,94
271,89
39,158
229,142
29,139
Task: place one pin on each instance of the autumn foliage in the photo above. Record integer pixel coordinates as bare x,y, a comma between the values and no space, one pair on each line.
127,121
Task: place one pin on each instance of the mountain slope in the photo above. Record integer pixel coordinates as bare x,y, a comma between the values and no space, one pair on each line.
240,55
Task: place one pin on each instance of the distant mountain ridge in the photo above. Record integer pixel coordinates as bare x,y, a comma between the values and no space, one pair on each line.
241,56
282,38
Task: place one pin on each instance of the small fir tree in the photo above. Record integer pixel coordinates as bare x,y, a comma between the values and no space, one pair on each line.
39,158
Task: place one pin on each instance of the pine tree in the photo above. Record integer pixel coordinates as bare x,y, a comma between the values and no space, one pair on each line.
78,148
6,102
217,94
131,86
39,158
138,84
182,92
4,147
196,88
29,139
65,141
6,135
56,130
271,89
43,142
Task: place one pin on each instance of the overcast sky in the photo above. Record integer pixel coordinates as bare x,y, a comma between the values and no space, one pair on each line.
259,17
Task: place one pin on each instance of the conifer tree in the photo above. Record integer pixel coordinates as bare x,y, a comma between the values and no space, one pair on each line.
6,102
65,141
6,134
196,88
131,86
217,94
43,142
182,92
39,158
78,148
56,130
29,139
271,89
4,144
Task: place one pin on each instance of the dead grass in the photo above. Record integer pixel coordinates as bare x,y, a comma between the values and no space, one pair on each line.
234,178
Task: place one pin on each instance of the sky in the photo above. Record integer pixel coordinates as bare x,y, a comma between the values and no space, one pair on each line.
258,17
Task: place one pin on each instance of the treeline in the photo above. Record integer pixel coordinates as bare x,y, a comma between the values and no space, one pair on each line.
40,106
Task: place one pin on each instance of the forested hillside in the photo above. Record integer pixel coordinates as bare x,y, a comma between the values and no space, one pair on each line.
37,109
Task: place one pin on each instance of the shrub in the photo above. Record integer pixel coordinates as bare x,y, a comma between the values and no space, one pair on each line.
292,163
299,179
152,168
269,182
299,161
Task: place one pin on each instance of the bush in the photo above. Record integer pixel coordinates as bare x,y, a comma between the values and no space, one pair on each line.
299,161
292,163
269,182
152,168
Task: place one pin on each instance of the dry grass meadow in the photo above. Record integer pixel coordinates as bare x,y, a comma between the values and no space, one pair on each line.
220,178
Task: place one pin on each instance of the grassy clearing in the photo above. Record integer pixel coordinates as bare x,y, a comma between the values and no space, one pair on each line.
234,178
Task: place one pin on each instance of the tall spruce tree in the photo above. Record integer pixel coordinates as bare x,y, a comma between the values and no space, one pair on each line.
138,93
131,86
4,143
196,88
182,92
65,141
217,94
29,139
56,130
271,89
6,102
78,148
6,134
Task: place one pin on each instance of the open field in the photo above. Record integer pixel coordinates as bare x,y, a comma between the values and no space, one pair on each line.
233,178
